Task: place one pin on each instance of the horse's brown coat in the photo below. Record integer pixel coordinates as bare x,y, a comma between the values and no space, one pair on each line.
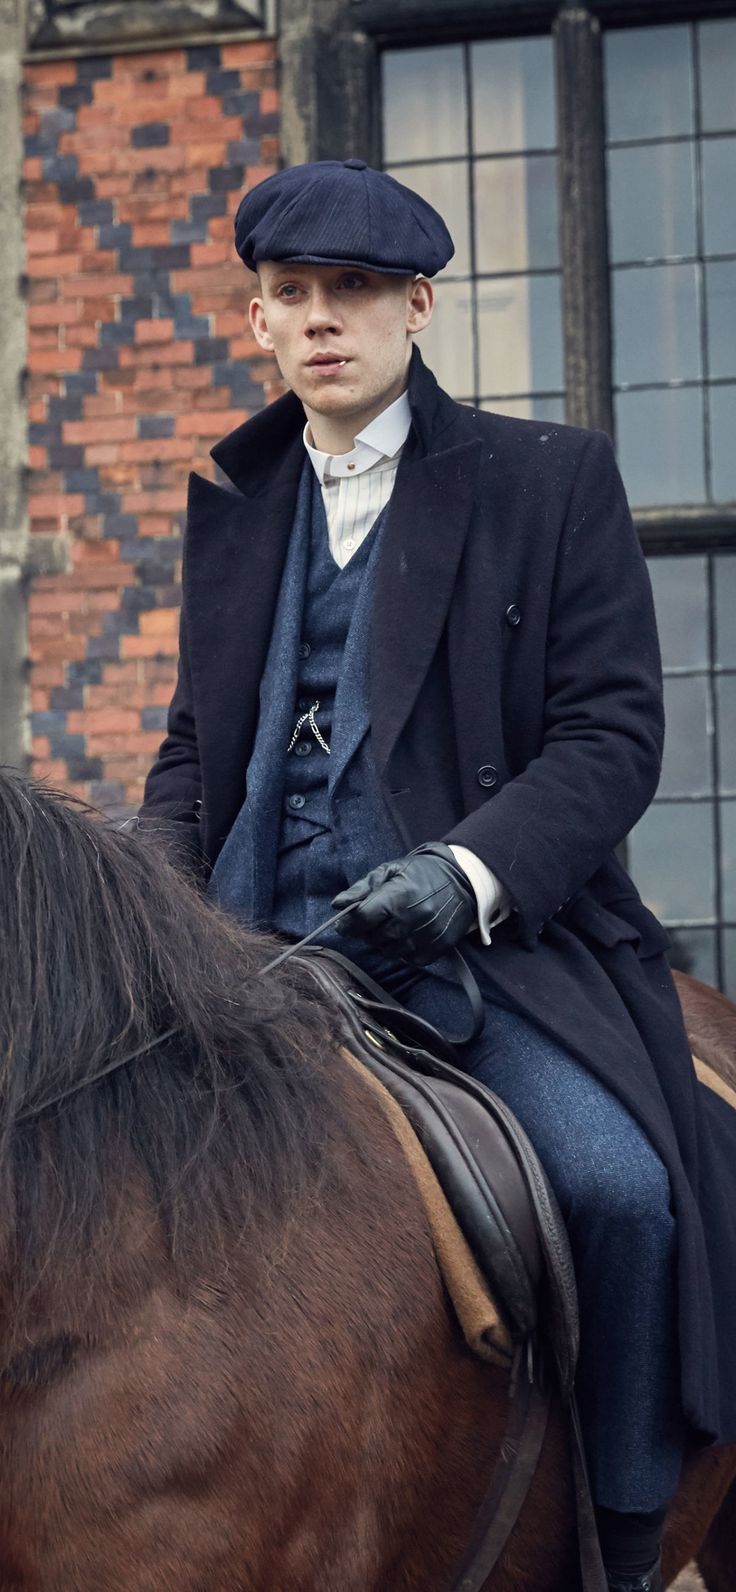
308,1420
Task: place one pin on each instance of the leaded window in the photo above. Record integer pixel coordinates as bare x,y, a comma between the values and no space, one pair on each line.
472,126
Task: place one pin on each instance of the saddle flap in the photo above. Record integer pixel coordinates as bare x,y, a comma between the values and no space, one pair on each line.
490,1172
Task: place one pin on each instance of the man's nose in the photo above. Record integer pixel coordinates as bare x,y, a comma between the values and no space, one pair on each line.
321,315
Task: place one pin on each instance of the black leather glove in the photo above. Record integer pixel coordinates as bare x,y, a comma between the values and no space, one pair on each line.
415,908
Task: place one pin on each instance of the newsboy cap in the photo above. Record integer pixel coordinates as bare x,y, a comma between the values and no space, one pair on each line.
341,212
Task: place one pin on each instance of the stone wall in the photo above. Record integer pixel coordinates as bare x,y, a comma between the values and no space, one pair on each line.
140,357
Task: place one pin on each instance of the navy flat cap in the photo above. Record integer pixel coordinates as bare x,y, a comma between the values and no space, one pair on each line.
341,212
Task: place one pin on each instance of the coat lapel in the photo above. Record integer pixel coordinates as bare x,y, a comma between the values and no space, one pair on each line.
235,550
428,519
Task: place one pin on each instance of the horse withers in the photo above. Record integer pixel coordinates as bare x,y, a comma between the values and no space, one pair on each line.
227,1360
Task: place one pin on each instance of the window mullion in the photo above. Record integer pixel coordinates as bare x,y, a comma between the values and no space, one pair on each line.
583,222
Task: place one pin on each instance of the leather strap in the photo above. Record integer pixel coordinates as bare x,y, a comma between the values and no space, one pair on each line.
510,1481
464,976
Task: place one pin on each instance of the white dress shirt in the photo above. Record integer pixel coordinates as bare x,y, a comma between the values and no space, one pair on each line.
356,486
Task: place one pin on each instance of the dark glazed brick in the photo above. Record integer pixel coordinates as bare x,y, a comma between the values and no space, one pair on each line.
100,359
152,135
107,647
69,408
203,57
153,718
73,193
189,231
82,481
68,697
205,205
83,768
60,168
155,426
67,745
91,67
103,793
51,724
72,95
66,456
246,102
224,178
119,525
86,671
168,257
246,149
223,82
96,212
80,383
208,349
115,235
102,502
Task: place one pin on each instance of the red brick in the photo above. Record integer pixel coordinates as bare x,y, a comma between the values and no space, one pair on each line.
154,331
47,72
43,337
165,354
48,768
155,502
145,646
154,450
64,649
55,504
141,207
160,622
81,336
48,675
140,64
192,377
137,742
154,525
109,429
220,129
97,404
60,312
37,458
96,286
53,264
269,101
98,720
209,424
248,52
218,278
208,254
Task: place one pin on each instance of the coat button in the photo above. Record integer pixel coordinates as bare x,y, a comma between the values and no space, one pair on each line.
304,649
296,801
513,615
487,776
303,748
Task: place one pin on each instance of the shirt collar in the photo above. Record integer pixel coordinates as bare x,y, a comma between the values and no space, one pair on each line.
381,439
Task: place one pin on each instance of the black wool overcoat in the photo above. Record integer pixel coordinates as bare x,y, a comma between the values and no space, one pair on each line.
516,710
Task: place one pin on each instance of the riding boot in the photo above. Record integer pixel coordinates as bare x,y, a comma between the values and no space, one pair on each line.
650,1582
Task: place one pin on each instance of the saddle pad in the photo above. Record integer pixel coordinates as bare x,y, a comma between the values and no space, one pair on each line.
711,1079
479,1317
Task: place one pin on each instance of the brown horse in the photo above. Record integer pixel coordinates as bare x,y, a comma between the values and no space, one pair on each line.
227,1362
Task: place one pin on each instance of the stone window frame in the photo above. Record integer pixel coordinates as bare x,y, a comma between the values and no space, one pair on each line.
85,25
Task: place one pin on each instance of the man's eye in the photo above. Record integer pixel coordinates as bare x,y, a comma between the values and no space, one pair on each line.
352,280
288,290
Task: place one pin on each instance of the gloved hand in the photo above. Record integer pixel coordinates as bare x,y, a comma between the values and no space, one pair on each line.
415,908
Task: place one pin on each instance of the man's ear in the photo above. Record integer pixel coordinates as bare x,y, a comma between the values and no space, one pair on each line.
257,318
420,304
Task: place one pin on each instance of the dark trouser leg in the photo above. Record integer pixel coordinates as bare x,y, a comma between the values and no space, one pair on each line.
615,1197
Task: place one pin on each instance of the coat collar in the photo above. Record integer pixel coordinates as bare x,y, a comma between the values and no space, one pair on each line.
247,455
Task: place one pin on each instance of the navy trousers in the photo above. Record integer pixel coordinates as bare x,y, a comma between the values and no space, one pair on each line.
614,1194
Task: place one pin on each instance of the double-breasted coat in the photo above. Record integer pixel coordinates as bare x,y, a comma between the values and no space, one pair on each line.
515,709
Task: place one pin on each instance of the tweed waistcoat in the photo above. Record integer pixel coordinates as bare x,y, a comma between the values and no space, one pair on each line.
283,861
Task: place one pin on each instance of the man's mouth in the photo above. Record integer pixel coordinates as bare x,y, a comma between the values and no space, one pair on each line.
327,364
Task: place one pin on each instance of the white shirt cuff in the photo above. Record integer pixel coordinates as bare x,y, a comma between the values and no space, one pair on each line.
491,897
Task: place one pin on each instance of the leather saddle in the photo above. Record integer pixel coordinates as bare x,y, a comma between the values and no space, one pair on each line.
489,1171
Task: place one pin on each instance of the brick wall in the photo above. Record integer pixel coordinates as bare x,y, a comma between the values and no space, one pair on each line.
140,357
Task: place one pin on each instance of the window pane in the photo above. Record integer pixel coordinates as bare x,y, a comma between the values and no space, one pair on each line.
671,859
513,95
655,319
720,292
424,107
723,442
516,213
686,767
550,409
728,858
729,962
694,951
660,445
520,331
447,343
649,82
651,198
726,700
717,42
445,185
719,189
681,601
725,582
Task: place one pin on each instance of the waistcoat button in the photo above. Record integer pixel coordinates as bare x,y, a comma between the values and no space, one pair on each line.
487,776
303,748
296,801
513,615
304,649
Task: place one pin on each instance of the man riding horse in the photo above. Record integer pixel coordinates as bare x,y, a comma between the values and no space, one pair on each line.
419,677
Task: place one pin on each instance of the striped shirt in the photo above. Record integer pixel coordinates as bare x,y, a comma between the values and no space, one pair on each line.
358,484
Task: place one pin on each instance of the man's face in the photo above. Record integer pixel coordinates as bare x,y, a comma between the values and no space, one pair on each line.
341,334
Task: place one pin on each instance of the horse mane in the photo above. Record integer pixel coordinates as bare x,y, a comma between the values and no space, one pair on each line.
104,947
